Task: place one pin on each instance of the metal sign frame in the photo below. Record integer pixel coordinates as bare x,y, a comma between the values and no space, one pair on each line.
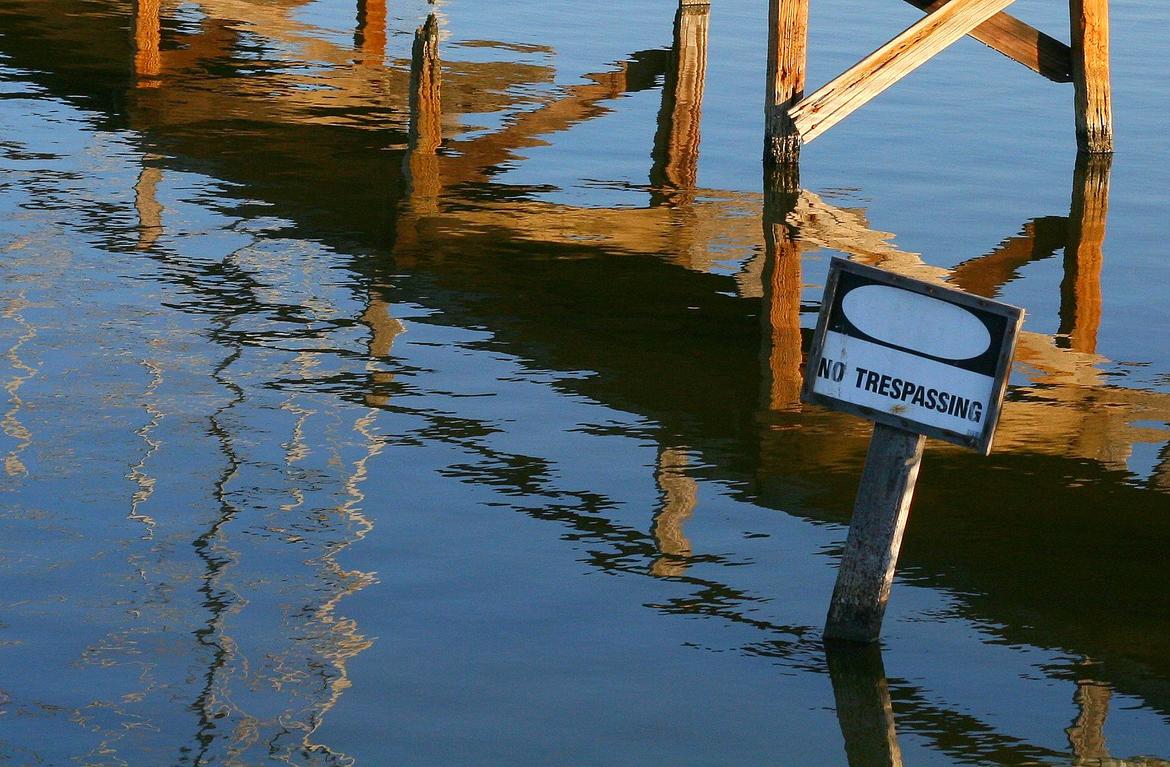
1013,315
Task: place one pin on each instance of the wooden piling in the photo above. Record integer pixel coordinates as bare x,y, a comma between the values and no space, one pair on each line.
1080,290
875,535
787,63
676,143
864,709
425,131
1090,52
887,65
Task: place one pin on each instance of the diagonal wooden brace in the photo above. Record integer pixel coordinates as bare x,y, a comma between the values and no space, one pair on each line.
887,65
1020,42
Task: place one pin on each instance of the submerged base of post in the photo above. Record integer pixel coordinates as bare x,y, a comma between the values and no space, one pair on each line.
875,535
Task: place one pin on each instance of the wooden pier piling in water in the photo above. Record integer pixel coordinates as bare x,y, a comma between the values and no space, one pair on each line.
791,118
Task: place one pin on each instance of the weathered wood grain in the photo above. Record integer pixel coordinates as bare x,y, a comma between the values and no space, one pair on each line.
875,535
1093,101
1021,42
787,61
887,65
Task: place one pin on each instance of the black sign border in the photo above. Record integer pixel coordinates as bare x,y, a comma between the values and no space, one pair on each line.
1013,314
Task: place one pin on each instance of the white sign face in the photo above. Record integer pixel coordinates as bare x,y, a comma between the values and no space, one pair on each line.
911,354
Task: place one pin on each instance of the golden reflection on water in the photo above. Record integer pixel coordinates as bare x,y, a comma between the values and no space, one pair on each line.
10,423
679,495
1070,410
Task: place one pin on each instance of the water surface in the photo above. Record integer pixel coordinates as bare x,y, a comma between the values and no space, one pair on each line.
345,428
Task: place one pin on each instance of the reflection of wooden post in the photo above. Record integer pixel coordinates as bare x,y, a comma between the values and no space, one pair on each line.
147,41
1080,291
370,35
679,495
148,207
1087,735
1090,53
383,330
426,114
875,535
787,59
864,710
676,144
1160,479
780,314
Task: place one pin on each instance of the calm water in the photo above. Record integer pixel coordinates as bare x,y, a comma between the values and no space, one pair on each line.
323,448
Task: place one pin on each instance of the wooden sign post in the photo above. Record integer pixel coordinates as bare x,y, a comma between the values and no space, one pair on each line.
919,360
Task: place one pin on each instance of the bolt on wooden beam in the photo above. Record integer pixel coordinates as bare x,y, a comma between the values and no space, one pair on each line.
887,65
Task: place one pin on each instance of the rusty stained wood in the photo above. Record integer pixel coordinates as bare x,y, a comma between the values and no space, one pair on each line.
1093,101
875,535
887,65
1021,42
787,62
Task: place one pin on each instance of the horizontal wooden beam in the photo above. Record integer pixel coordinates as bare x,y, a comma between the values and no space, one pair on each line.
1021,42
887,65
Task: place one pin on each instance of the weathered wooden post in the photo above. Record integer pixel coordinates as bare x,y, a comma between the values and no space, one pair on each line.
1080,290
864,710
787,62
676,142
1090,52
425,132
919,360
875,534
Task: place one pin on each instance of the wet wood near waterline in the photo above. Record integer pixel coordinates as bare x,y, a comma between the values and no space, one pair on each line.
425,132
1093,101
1021,42
875,535
887,65
787,62
864,709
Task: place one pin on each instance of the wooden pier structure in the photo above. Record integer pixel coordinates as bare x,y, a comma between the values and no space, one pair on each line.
792,118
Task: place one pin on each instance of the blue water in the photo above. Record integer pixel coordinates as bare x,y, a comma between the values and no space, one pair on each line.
300,467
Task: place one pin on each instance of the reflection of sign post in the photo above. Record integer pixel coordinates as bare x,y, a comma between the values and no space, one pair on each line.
917,359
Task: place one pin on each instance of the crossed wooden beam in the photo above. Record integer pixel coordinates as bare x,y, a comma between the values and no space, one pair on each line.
793,118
